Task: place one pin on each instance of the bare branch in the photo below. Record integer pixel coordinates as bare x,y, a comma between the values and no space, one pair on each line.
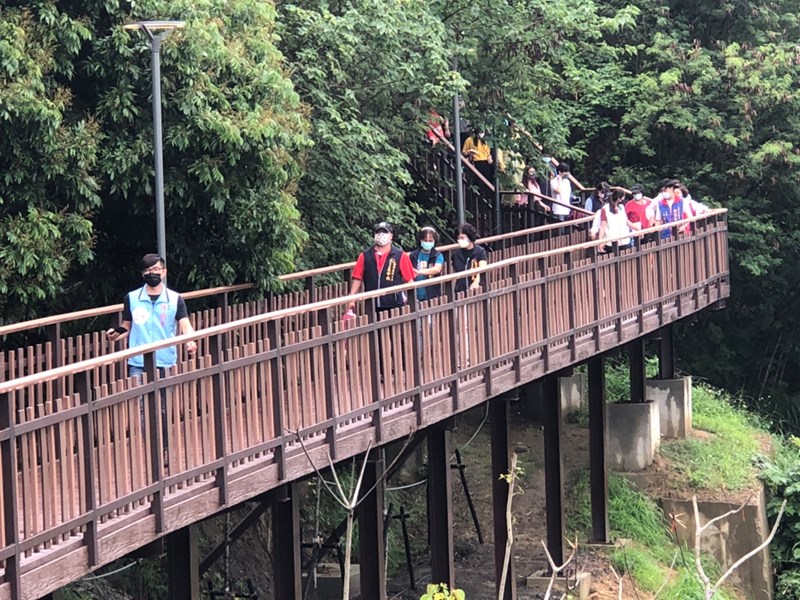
752,553
512,482
666,579
730,513
698,532
342,500
555,570
619,583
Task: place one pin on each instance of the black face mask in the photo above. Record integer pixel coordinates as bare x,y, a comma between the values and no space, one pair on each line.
152,279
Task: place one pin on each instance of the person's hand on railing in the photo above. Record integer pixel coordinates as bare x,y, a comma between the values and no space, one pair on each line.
115,334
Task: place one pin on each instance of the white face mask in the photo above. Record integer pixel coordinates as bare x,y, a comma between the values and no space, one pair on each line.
463,242
382,238
637,196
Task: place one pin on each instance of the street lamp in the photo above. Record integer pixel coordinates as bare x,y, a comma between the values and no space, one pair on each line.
156,32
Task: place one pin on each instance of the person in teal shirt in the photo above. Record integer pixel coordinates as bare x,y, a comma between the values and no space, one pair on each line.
428,262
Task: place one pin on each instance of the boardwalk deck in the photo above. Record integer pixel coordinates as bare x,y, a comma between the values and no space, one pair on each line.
82,471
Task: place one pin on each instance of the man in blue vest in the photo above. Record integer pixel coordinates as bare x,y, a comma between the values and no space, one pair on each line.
153,313
381,266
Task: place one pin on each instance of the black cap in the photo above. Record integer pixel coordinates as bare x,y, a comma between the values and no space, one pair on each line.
637,188
384,226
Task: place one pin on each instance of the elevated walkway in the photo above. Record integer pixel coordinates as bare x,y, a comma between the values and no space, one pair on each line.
85,479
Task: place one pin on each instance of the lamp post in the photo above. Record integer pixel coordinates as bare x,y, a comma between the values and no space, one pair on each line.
156,32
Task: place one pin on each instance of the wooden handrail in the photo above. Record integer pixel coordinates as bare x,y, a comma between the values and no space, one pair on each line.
465,161
115,308
579,209
85,365
539,147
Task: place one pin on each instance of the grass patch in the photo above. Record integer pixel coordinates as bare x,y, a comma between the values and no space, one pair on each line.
725,460
650,552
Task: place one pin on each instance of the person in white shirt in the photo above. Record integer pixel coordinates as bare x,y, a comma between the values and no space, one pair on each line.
562,191
614,222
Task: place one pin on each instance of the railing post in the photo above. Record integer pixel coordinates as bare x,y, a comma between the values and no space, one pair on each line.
487,336
596,298
416,354
327,375
455,343
659,277
679,246
8,459
274,336
618,290
640,283
157,442
379,370
57,353
515,319
82,388
571,309
310,288
217,351
545,315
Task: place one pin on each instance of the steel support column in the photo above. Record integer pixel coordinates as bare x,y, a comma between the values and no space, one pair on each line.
501,463
638,375
440,506
286,537
598,480
183,564
54,595
371,555
554,489
666,354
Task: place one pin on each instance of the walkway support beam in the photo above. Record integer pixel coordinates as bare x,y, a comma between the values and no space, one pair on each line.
598,480
286,534
183,564
553,481
638,375
501,464
440,505
371,555
666,353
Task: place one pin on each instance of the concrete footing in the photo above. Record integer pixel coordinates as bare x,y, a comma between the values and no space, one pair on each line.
572,391
634,435
329,581
674,399
730,539
579,588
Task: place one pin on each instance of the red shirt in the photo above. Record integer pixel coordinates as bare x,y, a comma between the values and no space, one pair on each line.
406,268
637,213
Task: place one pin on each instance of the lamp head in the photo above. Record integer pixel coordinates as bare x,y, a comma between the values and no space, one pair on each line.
154,26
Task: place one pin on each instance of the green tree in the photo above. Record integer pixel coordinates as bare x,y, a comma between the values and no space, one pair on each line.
77,122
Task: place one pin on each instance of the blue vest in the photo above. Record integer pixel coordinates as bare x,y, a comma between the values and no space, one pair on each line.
670,215
153,322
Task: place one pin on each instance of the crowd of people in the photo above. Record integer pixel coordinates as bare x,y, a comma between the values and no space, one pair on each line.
617,214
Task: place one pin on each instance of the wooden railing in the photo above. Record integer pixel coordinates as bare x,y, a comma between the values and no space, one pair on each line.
59,350
84,478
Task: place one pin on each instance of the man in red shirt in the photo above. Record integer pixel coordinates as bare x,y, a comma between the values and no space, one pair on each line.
638,209
381,266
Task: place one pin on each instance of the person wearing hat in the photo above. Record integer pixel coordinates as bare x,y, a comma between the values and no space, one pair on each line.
380,266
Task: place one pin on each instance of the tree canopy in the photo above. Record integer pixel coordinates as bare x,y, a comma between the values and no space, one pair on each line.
290,128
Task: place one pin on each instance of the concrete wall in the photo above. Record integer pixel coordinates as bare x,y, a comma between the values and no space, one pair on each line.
572,390
634,435
674,399
730,539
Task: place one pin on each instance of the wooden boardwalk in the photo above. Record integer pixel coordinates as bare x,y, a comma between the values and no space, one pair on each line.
89,472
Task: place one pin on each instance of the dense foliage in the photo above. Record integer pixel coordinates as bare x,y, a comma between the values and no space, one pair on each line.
76,188
298,120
